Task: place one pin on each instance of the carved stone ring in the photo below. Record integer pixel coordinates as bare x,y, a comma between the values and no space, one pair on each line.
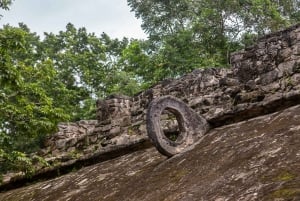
191,125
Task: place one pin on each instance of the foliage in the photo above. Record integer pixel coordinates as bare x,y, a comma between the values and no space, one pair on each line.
76,56
190,34
214,19
89,68
27,111
19,161
4,5
135,60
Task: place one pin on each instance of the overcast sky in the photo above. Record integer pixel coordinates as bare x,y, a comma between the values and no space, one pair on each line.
110,16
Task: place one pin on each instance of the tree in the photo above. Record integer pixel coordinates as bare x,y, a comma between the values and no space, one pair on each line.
183,38
135,60
87,65
4,4
27,109
191,34
165,17
77,57
43,82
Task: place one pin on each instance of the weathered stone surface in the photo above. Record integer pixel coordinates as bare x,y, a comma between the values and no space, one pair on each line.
257,159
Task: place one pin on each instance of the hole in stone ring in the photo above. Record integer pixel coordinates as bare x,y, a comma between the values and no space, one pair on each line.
172,125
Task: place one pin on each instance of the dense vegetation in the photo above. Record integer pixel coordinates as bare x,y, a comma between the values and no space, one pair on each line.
58,78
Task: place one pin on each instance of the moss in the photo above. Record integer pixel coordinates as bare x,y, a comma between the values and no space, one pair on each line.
173,135
178,175
172,117
280,176
133,130
96,147
130,131
289,82
285,193
74,154
285,176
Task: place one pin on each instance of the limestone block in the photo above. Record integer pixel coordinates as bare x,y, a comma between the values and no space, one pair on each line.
71,142
116,122
104,121
60,144
92,138
55,152
260,52
286,68
71,149
296,49
273,49
123,139
286,53
268,77
105,128
115,131
125,121
142,129
236,57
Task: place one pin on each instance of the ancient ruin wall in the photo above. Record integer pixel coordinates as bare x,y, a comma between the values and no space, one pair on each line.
263,78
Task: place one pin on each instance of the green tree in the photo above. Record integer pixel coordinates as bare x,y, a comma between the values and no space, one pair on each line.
89,66
78,59
191,34
136,61
27,110
83,63
4,4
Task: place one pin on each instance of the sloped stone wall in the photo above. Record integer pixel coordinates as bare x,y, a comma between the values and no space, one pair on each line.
263,78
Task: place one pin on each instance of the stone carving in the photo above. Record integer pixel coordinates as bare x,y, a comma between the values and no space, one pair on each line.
191,125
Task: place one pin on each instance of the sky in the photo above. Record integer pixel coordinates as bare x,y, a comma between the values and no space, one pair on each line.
110,16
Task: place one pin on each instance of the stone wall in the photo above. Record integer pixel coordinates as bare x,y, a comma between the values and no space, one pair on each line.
263,78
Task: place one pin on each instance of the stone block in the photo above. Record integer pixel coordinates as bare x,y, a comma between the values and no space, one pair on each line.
105,128
116,122
296,49
105,121
286,68
125,121
55,152
268,77
143,129
285,54
296,78
115,131
61,144
92,138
